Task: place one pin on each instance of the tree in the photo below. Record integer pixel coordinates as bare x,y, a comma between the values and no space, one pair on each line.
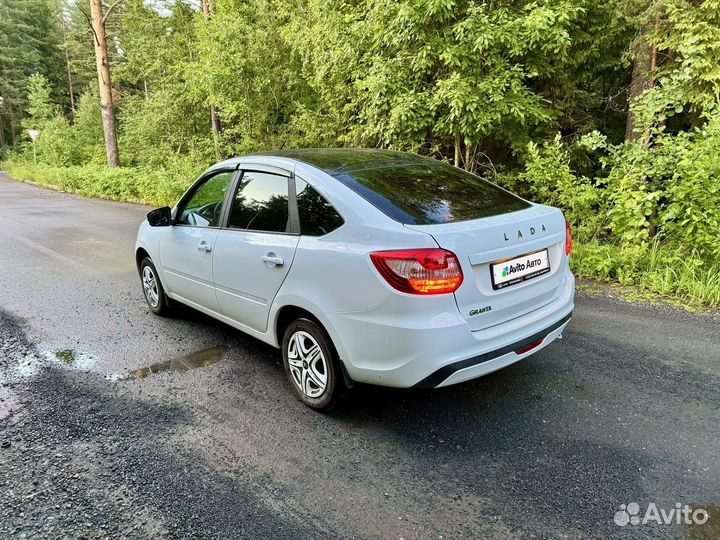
446,77
686,77
40,106
29,43
68,62
214,120
98,20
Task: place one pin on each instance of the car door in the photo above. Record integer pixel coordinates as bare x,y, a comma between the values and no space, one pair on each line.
186,249
255,250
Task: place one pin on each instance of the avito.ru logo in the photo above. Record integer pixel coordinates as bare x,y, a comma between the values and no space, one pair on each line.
519,267
630,515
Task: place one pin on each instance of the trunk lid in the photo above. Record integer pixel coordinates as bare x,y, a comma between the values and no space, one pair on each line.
480,242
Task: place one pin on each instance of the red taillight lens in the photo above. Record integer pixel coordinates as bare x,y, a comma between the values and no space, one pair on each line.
419,271
528,348
568,239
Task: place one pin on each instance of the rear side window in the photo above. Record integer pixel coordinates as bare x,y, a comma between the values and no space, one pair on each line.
317,215
260,203
426,194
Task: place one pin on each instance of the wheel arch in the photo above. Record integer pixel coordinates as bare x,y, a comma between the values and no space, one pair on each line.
140,254
287,314
290,312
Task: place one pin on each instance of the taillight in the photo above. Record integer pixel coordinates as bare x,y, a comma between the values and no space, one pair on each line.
419,271
568,239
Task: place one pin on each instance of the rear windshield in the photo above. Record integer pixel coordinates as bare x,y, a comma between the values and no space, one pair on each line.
427,194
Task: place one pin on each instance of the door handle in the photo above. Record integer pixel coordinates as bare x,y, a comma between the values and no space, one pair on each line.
203,246
272,260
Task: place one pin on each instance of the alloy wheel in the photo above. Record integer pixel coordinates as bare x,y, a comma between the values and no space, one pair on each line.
150,286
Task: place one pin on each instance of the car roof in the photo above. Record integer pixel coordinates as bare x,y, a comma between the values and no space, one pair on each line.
339,160
333,161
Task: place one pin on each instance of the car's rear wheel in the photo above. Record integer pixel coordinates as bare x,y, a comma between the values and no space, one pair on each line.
153,289
311,364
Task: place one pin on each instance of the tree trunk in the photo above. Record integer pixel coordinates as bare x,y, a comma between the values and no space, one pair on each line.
67,63
105,83
216,128
641,69
2,133
458,150
214,120
645,62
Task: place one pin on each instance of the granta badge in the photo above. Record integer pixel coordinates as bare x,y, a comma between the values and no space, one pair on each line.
485,309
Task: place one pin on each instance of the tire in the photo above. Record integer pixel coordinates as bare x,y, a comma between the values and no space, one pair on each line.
318,383
153,290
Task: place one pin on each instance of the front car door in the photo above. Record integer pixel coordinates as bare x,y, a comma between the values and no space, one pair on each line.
253,254
186,249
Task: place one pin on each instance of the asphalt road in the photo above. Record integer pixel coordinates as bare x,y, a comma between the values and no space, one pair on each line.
623,409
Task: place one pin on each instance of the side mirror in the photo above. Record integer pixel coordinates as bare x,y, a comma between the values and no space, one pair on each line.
160,217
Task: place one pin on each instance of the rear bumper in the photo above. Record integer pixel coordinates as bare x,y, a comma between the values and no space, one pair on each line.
395,349
477,366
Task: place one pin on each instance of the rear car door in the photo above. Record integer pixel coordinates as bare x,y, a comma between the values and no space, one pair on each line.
186,248
254,252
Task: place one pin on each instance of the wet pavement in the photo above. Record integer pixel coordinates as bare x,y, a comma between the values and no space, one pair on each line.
115,423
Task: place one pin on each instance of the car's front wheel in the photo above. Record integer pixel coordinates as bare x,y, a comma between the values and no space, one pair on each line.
311,364
153,289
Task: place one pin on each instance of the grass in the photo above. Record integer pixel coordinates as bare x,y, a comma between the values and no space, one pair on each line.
655,270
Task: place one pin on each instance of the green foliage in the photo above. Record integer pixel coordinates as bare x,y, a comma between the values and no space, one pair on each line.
166,126
30,38
88,130
429,71
56,143
689,79
246,67
548,178
156,187
671,188
40,107
655,268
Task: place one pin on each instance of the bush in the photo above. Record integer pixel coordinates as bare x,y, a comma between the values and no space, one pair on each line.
652,222
156,187
549,179
163,128
656,268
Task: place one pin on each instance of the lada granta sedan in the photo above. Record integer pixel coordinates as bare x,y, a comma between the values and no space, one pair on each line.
364,266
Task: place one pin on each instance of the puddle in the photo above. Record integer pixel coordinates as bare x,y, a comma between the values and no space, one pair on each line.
710,530
187,362
27,365
75,359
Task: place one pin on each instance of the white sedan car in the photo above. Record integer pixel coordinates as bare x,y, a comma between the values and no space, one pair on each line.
367,266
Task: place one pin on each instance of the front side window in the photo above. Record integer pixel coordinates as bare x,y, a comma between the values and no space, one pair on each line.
317,215
204,208
260,203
